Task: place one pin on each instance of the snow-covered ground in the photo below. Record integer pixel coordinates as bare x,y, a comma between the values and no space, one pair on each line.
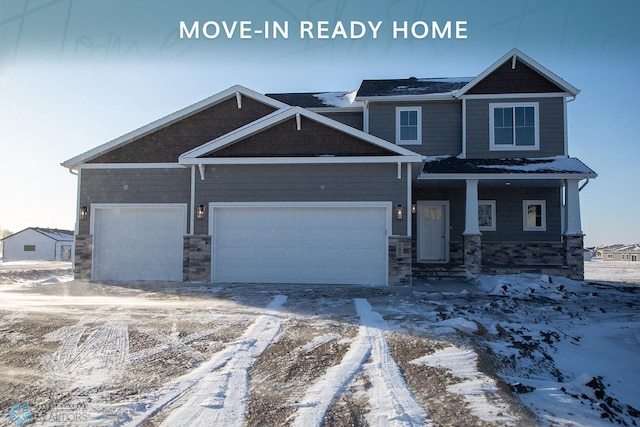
503,350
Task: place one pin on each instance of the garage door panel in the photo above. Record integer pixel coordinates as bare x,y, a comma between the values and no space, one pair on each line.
332,245
138,243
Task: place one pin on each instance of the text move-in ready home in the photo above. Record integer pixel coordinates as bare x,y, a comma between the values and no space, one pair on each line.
400,179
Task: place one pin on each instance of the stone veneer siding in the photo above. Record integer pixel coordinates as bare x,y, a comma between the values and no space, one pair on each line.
574,256
82,262
517,254
473,253
196,258
400,259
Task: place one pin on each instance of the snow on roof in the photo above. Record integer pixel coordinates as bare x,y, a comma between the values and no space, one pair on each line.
338,99
412,86
557,164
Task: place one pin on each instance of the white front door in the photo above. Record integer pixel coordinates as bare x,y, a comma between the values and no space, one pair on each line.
433,236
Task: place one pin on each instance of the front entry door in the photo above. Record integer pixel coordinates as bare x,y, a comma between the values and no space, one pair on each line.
433,220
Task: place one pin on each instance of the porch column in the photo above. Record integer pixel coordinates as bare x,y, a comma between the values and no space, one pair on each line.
471,217
573,236
572,208
472,239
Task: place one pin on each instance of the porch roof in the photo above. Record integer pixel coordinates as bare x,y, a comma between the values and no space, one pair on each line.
559,167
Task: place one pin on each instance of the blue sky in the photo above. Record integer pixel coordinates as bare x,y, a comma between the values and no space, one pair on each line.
77,73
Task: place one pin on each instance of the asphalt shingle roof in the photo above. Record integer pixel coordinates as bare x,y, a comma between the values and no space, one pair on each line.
411,86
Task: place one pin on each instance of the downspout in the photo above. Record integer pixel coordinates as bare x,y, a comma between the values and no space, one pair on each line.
464,128
584,185
193,200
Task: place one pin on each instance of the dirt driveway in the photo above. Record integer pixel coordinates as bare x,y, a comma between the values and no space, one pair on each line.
81,353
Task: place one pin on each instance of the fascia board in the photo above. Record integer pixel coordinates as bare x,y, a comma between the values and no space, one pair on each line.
169,120
531,63
300,160
281,116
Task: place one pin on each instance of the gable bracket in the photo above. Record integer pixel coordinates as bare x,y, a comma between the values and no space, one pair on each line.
513,62
298,121
201,169
399,170
239,100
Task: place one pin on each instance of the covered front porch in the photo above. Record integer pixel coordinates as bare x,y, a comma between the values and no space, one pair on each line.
499,216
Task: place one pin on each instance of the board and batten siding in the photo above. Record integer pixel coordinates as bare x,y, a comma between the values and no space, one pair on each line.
303,183
171,185
441,125
551,120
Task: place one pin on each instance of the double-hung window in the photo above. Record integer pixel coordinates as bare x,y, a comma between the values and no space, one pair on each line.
487,215
408,125
534,215
514,126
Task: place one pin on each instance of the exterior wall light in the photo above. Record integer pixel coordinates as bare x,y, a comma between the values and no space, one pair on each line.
84,212
414,209
399,212
200,212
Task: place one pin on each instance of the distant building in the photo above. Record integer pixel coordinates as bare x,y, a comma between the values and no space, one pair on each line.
35,243
619,252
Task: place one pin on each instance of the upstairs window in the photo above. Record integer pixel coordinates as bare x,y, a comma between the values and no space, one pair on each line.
514,126
408,125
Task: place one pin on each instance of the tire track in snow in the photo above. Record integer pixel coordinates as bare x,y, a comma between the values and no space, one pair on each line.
93,362
216,392
392,403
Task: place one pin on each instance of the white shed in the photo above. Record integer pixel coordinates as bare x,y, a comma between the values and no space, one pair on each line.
36,243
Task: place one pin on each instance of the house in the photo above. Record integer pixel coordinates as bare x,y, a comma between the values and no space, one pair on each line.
35,243
629,253
399,179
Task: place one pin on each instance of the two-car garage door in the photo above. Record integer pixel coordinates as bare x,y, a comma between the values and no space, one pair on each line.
335,244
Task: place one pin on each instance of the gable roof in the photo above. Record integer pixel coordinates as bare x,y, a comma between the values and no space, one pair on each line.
512,55
169,120
195,156
52,233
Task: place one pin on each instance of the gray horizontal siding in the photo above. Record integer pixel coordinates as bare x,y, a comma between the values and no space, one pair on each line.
509,212
302,183
133,186
441,125
551,121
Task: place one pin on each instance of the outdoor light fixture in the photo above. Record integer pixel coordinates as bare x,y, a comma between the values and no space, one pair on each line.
399,212
200,212
84,212
414,209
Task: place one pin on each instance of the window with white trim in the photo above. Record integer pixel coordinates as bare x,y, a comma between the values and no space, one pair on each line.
534,215
487,215
408,125
609,256
514,126
634,257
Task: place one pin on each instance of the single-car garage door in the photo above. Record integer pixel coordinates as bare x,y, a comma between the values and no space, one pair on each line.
138,242
338,244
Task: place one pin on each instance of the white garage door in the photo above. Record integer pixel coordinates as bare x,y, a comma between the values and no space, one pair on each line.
300,244
138,243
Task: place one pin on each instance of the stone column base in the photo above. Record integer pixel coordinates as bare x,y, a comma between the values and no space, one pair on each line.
196,259
473,253
83,257
400,268
574,256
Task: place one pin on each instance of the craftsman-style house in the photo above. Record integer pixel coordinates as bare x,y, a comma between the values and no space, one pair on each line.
397,180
